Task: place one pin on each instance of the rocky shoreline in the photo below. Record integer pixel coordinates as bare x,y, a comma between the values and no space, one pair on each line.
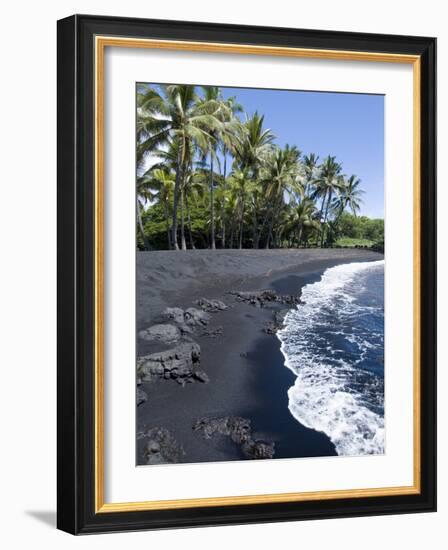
180,361
198,377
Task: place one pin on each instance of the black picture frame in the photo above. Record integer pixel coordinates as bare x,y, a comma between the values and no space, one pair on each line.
76,255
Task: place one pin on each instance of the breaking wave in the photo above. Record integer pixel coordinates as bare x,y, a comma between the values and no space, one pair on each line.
334,344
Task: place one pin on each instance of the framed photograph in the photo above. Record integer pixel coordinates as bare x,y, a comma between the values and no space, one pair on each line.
246,274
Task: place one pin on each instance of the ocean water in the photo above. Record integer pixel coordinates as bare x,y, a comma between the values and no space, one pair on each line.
334,344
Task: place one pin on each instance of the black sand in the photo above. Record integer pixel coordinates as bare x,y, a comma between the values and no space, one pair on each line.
245,366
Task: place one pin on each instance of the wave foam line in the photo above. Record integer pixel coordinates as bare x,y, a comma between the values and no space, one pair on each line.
330,395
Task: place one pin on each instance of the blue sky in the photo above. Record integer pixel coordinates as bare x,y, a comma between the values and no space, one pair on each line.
349,126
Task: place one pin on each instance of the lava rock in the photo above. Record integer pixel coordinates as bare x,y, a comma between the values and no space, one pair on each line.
211,306
196,317
272,327
180,363
213,332
174,313
258,449
161,447
165,333
142,396
202,376
262,298
239,430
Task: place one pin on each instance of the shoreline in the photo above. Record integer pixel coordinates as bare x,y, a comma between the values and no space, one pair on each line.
248,377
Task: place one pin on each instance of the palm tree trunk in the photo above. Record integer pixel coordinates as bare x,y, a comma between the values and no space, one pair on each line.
167,222
223,205
299,235
146,244
255,234
321,220
325,217
232,231
268,240
271,224
266,221
341,210
241,226
212,206
187,204
279,238
305,189
176,200
182,221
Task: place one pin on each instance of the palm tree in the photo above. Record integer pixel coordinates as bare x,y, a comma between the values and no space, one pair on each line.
349,196
169,157
310,168
280,178
212,172
230,130
193,188
256,200
303,217
240,186
159,183
251,141
232,207
213,103
252,146
328,183
143,194
174,114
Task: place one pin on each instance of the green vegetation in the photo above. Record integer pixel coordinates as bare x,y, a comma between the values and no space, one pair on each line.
348,242
218,180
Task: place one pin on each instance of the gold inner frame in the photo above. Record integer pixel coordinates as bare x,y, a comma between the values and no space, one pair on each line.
101,42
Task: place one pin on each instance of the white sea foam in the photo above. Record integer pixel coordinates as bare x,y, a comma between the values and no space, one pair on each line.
331,394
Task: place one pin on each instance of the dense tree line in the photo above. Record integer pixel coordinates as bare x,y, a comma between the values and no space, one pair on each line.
216,179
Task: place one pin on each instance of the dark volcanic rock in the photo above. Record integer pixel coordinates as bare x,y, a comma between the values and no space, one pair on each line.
271,327
262,298
177,315
234,426
160,447
202,376
180,363
196,317
213,332
164,333
174,313
239,430
211,306
142,396
191,317
258,449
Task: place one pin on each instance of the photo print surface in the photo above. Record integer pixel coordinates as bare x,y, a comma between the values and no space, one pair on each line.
259,274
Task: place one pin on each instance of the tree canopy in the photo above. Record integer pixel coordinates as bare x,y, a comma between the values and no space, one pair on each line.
210,175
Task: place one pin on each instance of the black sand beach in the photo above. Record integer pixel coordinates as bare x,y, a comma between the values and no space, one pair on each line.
244,364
